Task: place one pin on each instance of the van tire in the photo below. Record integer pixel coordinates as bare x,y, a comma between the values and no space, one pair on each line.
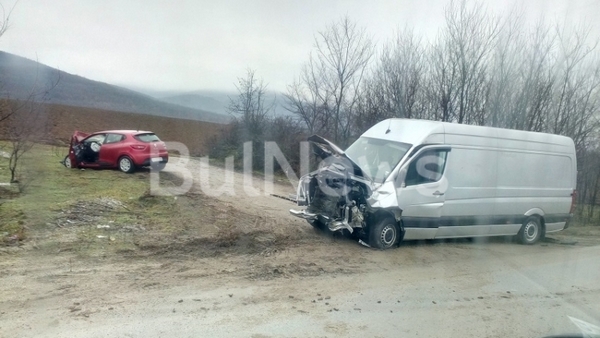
384,234
531,231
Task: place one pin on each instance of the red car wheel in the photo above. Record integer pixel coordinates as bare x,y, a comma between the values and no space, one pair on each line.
126,165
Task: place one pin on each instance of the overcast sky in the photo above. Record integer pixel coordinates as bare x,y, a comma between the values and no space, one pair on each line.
197,44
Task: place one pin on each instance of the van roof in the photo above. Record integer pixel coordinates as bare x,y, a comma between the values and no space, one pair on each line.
423,131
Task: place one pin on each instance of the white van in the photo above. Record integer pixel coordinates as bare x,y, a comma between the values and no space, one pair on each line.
414,179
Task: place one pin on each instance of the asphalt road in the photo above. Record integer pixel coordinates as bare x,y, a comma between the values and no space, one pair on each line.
418,290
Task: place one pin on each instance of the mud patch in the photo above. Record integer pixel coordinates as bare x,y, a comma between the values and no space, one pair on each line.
8,192
305,269
229,241
562,241
89,212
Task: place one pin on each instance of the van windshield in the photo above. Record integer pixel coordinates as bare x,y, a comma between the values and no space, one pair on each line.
377,157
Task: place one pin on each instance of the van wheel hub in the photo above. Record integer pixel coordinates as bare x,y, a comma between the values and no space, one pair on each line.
388,235
531,231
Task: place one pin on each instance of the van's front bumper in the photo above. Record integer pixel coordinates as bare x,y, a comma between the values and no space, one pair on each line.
333,225
304,214
312,217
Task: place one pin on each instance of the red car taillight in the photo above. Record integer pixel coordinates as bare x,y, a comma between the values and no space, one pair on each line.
573,201
138,146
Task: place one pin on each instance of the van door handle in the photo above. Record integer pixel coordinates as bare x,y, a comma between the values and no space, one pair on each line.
437,193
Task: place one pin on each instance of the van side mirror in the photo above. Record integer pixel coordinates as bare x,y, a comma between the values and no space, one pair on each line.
399,180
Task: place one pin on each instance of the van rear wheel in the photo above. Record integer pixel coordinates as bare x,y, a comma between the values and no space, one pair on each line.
384,234
531,231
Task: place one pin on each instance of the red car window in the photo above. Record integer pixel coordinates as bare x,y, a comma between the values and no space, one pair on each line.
147,138
114,138
96,138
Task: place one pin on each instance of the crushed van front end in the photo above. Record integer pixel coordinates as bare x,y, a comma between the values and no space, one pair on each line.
340,197
332,199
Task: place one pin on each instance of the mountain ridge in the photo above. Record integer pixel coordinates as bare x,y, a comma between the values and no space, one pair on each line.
218,101
20,76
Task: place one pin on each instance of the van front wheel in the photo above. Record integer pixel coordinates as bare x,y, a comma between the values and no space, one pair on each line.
384,234
531,231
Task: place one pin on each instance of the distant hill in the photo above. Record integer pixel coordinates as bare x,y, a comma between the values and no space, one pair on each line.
19,76
215,101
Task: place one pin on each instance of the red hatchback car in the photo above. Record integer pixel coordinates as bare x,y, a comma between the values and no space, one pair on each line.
123,149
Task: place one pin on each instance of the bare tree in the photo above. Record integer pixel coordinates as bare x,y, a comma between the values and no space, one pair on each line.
328,89
251,110
504,71
577,100
534,82
394,88
372,106
400,73
441,82
460,62
307,98
24,120
28,124
5,18
250,105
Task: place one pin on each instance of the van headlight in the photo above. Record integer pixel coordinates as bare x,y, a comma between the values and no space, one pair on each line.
302,191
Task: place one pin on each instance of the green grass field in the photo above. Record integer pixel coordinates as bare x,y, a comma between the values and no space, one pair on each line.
88,202
99,213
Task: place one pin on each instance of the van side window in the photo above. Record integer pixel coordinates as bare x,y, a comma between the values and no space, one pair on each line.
427,168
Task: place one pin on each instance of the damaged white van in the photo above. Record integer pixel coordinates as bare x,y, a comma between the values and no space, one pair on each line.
415,179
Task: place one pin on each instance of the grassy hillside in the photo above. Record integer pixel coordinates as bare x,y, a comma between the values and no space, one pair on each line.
109,214
89,212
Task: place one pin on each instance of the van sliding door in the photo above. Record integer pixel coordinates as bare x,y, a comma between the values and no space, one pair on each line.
471,194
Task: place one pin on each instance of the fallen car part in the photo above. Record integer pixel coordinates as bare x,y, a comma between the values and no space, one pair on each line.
304,214
291,198
361,242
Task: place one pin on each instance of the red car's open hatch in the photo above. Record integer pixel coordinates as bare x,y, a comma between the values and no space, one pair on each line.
79,136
